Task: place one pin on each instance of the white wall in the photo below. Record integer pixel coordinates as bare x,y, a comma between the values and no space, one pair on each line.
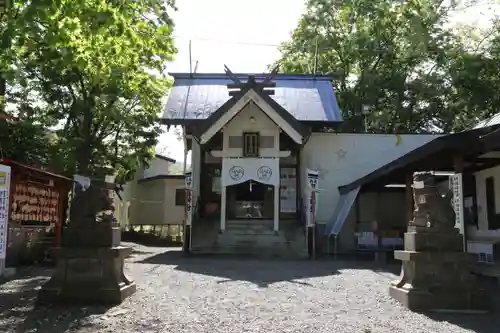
482,212
364,153
241,123
151,202
157,167
172,214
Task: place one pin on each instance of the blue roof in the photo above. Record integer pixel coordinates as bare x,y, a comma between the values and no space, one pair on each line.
307,98
492,121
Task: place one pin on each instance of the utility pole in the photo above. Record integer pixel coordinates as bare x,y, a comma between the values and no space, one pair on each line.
315,57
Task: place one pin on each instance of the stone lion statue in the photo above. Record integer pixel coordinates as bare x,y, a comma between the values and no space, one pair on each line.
93,205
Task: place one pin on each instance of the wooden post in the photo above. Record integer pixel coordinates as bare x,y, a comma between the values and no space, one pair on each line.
409,198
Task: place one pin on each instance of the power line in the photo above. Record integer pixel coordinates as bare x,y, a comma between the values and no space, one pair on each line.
222,41
313,48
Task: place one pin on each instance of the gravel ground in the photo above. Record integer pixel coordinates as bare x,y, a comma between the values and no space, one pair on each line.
177,294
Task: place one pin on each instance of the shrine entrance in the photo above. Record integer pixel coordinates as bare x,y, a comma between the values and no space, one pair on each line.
250,200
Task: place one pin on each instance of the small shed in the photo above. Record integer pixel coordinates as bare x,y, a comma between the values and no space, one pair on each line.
464,153
38,202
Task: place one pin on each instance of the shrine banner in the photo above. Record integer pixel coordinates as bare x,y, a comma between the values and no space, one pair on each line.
5,173
239,170
312,196
456,186
188,182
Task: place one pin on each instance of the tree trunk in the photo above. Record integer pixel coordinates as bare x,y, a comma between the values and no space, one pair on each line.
84,150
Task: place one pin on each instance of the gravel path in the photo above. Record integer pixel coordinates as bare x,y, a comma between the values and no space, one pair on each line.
199,295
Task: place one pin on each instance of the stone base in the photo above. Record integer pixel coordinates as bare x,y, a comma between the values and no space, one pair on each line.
88,275
423,300
99,235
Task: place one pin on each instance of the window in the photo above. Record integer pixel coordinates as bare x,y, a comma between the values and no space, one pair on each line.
180,197
250,144
493,217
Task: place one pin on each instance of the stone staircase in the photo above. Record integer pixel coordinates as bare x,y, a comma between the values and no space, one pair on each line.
250,237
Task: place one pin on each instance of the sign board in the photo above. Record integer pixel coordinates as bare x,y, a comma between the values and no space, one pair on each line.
312,195
5,172
188,182
456,187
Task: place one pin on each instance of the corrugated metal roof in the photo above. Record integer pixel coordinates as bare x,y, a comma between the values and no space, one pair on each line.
494,120
307,98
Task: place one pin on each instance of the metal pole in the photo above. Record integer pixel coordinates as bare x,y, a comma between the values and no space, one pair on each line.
315,58
190,60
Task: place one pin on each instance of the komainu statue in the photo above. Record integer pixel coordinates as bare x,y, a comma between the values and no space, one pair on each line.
91,205
432,207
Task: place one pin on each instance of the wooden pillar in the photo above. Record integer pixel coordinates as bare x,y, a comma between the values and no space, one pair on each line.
409,198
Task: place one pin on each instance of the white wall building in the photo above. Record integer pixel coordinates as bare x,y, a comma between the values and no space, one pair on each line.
155,197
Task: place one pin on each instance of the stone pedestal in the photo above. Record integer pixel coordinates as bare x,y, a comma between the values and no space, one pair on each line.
88,275
90,262
435,272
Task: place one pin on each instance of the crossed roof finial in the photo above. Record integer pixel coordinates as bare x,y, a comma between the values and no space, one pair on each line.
237,86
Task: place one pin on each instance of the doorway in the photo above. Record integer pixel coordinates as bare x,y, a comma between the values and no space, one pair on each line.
250,200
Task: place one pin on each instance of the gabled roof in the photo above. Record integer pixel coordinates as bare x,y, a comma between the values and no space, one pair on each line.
284,114
197,96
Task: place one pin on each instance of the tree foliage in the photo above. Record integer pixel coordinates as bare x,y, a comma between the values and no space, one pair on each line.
89,70
400,58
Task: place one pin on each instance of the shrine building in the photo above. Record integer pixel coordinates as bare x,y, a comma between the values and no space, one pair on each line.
265,148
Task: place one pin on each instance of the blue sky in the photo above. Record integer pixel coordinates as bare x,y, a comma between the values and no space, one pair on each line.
244,35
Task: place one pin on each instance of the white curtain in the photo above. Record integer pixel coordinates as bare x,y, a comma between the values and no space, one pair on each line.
239,170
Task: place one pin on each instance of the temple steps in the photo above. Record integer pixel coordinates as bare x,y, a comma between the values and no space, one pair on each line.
253,238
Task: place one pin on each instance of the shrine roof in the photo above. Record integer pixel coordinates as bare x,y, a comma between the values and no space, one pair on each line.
306,97
10,162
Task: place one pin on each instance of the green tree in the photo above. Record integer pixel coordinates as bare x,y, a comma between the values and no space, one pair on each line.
94,67
393,56
474,78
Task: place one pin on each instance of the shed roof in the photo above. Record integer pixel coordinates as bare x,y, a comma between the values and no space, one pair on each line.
436,155
197,96
492,121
